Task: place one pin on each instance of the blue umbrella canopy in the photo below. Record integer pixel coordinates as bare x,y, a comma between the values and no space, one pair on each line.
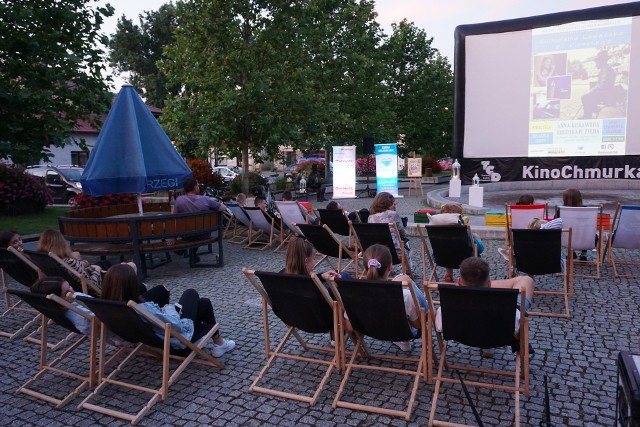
132,154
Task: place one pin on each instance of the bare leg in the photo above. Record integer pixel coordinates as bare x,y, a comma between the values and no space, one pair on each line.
519,282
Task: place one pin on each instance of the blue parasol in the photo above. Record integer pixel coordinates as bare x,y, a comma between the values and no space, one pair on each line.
132,154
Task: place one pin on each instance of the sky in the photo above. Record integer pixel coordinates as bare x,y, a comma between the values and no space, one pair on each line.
438,18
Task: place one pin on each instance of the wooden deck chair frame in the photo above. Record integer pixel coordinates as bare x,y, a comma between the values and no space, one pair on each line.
364,301
240,223
44,266
137,329
519,216
367,234
49,265
52,307
539,252
328,245
461,304
260,224
313,310
454,239
624,234
291,215
26,275
584,225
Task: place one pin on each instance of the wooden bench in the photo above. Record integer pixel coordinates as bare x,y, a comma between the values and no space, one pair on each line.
142,235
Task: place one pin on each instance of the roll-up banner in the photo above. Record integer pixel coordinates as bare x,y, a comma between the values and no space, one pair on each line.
387,168
344,172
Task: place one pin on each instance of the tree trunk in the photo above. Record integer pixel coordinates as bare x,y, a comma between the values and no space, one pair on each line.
245,167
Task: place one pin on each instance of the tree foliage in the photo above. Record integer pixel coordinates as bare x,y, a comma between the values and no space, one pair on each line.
420,83
137,49
51,74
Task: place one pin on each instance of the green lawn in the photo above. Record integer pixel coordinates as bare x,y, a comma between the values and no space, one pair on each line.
33,223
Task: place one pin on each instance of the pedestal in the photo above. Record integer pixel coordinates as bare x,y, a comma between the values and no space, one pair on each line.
476,196
455,187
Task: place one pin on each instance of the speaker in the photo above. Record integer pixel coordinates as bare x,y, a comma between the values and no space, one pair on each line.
367,145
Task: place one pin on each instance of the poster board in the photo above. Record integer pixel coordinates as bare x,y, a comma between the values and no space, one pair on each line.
414,168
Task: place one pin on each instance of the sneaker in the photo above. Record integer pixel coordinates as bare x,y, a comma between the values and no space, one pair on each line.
404,345
504,254
220,349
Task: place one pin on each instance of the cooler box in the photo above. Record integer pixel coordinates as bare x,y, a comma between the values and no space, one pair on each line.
628,390
421,215
495,219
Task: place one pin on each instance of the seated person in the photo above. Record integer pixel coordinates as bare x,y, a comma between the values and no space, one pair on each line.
543,224
300,259
261,202
474,272
305,207
377,259
452,208
60,287
525,199
11,238
383,210
313,184
241,199
120,284
53,241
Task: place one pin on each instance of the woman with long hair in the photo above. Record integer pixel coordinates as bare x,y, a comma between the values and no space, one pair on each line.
53,241
121,284
383,210
300,259
11,238
377,259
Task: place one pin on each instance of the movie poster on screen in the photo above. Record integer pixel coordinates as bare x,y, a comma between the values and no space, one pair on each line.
414,167
387,168
579,88
344,172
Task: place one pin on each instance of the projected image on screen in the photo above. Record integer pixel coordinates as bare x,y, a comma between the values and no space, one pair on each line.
579,88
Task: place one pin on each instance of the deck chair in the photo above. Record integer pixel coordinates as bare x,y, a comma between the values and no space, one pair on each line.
49,265
132,323
291,215
53,307
450,245
519,217
303,304
261,224
25,274
237,230
336,220
539,252
483,318
368,234
328,246
376,309
625,234
586,234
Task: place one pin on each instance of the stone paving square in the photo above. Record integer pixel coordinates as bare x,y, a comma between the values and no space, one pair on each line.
578,356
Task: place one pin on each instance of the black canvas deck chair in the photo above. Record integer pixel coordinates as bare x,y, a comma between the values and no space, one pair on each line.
368,234
539,252
263,231
482,318
24,274
376,309
444,246
52,307
328,246
237,230
304,305
54,266
132,323
624,237
336,220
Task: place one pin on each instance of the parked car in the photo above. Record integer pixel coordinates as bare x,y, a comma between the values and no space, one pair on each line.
291,172
63,181
227,173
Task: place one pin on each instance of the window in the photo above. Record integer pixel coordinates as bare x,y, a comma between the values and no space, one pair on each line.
79,158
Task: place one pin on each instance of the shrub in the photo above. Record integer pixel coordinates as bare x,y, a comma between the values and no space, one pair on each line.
254,180
203,173
430,162
281,183
21,193
366,166
87,201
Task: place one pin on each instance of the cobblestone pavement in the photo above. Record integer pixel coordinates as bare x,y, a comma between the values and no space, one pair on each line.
578,357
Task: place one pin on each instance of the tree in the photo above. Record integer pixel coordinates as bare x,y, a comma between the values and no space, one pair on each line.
51,74
138,49
420,83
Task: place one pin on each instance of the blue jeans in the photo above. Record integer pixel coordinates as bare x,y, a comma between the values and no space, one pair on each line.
422,302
